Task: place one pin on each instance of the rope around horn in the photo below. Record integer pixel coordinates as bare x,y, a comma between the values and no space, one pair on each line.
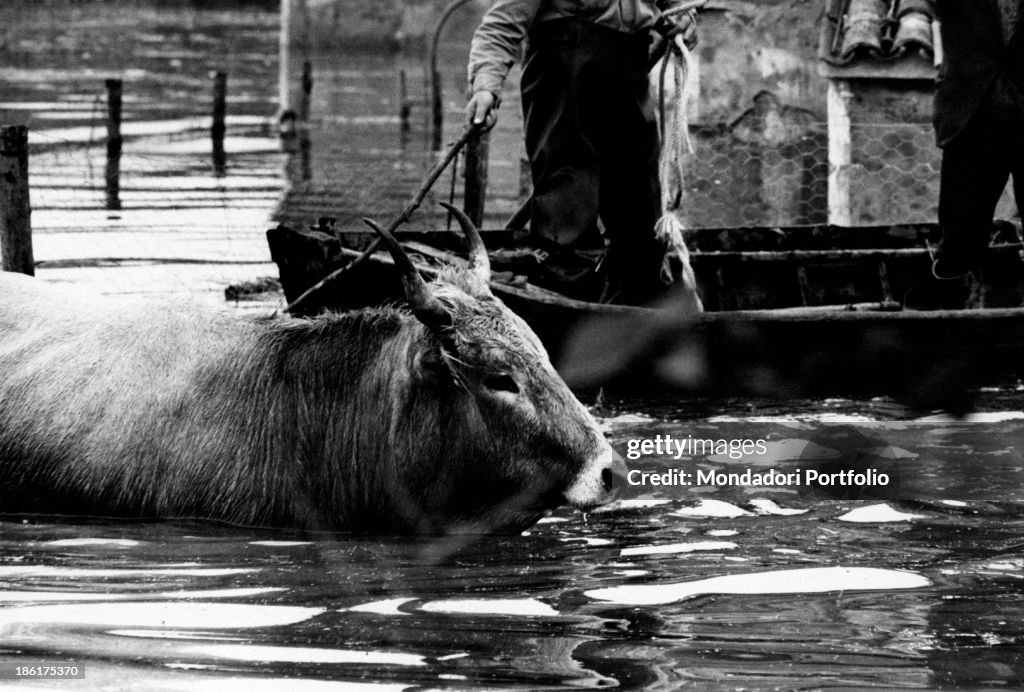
675,145
413,205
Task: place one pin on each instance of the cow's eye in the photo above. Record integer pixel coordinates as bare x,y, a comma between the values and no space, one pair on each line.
501,383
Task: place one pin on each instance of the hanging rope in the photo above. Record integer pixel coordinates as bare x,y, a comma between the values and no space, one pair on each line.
673,105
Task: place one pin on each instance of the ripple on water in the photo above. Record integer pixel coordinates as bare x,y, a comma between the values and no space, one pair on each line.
713,509
37,596
877,514
299,654
491,606
92,542
810,580
160,614
678,548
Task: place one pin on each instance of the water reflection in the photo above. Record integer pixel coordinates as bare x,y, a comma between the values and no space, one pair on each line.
720,587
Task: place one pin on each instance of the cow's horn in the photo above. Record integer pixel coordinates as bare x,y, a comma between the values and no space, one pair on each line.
479,262
425,306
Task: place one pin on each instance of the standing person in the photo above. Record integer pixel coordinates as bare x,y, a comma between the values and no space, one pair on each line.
591,135
979,123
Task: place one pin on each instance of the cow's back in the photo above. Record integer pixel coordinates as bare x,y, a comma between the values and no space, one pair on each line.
103,393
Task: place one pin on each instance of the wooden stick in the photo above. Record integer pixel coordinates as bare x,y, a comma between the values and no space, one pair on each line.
15,210
412,206
475,191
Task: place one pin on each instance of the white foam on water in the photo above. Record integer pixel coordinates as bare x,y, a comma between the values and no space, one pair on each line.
280,544
765,506
790,581
632,572
713,509
21,571
301,654
801,419
220,683
953,503
452,657
587,541
552,520
678,548
640,503
172,634
68,596
390,606
877,514
623,419
497,606
78,542
982,417
137,614
721,533
787,551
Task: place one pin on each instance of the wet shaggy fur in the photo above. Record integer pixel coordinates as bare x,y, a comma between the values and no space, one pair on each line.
362,421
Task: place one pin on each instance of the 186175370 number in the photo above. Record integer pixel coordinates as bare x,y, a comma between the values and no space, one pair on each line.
15,671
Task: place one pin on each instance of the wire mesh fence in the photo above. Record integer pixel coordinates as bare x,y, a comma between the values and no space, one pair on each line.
735,180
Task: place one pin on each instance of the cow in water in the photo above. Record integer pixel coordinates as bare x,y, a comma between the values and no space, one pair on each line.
446,417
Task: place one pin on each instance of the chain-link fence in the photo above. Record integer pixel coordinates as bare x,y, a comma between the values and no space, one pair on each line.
735,179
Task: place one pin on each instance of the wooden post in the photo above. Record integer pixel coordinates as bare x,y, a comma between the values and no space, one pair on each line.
307,91
477,151
15,210
114,142
404,105
284,58
437,109
220,90
840,153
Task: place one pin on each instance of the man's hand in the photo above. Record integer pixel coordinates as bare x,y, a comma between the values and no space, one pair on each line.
685,25
481,111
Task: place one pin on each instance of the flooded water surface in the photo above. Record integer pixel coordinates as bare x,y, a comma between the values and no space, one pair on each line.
716,587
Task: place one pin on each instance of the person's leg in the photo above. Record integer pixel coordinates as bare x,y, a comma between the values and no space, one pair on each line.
563,159
630,192
1016,151
975,168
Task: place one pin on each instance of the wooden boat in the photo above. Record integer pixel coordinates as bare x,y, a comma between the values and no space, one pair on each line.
808,311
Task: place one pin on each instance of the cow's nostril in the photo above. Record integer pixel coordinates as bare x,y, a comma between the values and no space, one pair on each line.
606,479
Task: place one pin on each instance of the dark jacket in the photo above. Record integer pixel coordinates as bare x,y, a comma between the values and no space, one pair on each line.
974,57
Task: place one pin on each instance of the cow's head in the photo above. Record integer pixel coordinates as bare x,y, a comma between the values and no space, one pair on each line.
514,439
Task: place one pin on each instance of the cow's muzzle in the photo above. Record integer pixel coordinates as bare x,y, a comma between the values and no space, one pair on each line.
599,481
